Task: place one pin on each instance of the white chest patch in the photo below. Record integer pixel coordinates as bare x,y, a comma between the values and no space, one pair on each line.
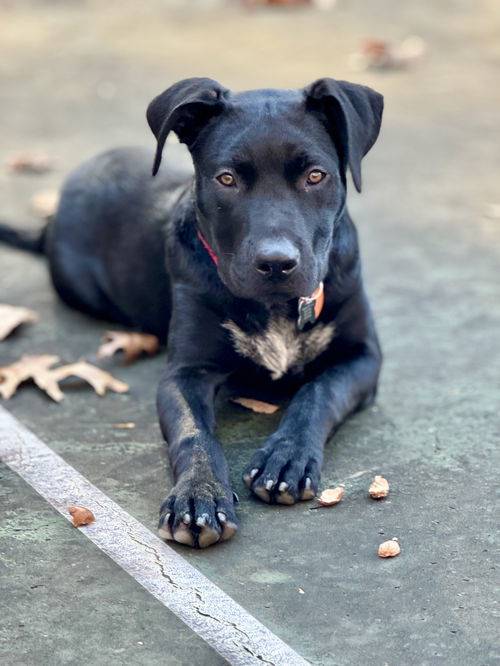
281,346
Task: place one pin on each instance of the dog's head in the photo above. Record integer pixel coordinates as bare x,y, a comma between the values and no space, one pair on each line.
270,170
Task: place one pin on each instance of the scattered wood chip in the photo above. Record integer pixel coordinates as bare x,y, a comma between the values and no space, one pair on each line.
131,344
33,163
12,316
44,204
80,515
256,405
389,548
40,370
379,488
128,425
331,496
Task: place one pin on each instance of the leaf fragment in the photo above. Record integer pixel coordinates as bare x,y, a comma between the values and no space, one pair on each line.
331,496
131,344
80,515
32,163
389,548
257,406
12,316
40,370
379,488
44,203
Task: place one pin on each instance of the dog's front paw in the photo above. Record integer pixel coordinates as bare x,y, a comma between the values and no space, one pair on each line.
283,472
197,513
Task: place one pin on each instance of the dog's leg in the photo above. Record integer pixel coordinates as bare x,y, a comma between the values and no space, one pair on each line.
200,509
288,467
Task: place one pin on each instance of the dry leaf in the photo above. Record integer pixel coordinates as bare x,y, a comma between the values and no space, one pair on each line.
379,488
80,515
331,496
29,163
256,405
44,203
380,54
12,316
131,344
389,548
28,367
40,370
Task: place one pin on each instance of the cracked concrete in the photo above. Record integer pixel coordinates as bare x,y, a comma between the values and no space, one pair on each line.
228,629
431,243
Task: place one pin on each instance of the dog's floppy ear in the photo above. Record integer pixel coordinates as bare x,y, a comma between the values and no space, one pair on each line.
353,115
184,108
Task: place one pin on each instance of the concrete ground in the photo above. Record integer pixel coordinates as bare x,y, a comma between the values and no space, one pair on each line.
75,79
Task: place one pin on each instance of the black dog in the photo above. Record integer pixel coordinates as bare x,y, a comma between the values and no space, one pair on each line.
254,261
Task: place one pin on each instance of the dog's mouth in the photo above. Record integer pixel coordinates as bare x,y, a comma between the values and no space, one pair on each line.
271,294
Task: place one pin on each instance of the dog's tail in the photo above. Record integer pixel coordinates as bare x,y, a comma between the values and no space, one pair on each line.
23,239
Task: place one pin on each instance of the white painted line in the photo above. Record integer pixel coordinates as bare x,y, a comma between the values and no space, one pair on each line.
225,625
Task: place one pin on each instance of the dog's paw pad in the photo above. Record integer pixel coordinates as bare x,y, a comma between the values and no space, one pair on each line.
208,536
308,492
283,496
229,531
182,534
262,493
165,534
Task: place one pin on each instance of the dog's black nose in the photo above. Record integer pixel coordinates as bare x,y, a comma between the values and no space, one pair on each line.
276,258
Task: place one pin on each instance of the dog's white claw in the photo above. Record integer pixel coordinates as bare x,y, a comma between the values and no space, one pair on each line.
186,519
222,517
249,477
307,492
201,521
283,486
269,484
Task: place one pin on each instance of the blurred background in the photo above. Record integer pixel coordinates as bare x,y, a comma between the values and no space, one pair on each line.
75,79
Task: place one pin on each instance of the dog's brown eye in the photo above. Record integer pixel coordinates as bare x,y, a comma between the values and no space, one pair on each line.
315,176
226,179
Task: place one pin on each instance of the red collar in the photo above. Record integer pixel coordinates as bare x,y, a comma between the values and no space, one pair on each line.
208,248
309,307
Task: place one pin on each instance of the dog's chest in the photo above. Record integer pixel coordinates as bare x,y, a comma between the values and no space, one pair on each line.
281,347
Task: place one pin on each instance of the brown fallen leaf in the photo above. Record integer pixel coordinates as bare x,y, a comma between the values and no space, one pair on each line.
256,405
12,316
380,54
33,163
47,378
379,488
44,203
80,515
331,496
131,344
389,548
